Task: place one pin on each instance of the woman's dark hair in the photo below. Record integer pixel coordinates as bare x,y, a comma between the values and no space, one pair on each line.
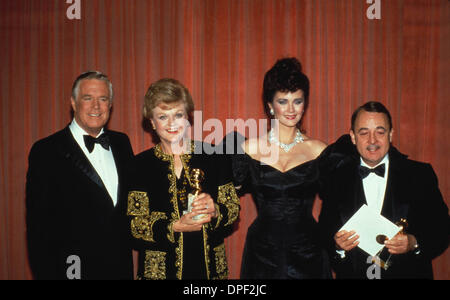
285,76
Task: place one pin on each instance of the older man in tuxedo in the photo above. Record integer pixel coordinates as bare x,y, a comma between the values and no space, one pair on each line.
377,174
76,192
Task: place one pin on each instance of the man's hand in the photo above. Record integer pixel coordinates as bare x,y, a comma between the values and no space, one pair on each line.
343,240
401,243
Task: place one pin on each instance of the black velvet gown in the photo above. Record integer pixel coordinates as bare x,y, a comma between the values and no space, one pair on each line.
284,241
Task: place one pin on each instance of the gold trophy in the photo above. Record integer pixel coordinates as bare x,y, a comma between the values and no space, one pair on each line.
383,257
196,177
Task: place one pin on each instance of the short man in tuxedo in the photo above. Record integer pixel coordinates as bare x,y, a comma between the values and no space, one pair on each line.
377,174
76,192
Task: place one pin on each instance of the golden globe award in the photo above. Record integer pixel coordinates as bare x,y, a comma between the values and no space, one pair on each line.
383,258
197,176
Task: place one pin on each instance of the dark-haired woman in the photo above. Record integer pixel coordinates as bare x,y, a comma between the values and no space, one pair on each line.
278,169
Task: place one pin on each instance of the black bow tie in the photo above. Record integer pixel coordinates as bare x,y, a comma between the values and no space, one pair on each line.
90,141
364,171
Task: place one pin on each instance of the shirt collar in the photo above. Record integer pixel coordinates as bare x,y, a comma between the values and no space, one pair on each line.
78,132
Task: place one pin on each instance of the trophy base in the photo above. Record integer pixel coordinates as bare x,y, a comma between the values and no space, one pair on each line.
197,217
191,199
380,263
382,259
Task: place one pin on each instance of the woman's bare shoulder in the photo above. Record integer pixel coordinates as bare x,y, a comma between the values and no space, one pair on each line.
252,146
316,146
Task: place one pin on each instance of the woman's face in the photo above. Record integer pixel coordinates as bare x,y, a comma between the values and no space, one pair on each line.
170,122
288,107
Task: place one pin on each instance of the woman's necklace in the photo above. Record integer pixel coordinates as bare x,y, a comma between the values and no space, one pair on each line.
286,147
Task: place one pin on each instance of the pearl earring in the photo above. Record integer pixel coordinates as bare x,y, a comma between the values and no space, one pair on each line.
272,112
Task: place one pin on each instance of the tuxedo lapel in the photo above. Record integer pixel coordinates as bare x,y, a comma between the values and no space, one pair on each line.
115,148
388,202
394,208
353,195
72,151
359,197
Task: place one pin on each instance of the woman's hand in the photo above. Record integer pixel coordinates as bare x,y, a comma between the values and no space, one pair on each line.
204,204
187,224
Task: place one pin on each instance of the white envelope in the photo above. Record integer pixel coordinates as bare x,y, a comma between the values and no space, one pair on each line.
368,224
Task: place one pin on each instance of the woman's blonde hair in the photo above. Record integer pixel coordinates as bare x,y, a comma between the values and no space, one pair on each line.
168,91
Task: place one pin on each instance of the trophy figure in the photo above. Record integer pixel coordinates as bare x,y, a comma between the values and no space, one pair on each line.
383,257
196,176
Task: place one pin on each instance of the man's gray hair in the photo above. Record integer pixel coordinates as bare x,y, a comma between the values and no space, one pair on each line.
91,75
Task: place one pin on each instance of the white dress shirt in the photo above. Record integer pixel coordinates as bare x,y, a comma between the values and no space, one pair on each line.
375,186
374,189
101,159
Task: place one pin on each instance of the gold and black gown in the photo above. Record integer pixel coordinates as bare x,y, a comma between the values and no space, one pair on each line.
193,257
155,202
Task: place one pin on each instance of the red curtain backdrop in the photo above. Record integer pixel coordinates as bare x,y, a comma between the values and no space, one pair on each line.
220,50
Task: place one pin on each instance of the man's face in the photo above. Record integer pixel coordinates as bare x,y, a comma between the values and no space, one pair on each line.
372,136
92,106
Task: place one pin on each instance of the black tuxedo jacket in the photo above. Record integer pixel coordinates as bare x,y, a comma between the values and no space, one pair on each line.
69,211
411,192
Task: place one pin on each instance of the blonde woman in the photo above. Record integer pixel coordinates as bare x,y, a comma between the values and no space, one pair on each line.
173,242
